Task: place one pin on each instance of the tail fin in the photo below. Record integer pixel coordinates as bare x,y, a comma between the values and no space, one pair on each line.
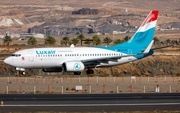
144,35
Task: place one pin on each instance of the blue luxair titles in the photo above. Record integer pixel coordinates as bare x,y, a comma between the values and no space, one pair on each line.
46,52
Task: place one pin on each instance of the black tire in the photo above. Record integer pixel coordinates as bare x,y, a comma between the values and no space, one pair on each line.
89,72
77,73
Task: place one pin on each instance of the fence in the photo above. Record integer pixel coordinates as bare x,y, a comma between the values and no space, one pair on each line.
66,85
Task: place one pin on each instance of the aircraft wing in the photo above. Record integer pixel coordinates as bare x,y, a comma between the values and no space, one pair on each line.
113,58
107,58
96,61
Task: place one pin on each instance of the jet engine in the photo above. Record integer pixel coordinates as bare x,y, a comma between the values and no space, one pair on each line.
52,70
73,66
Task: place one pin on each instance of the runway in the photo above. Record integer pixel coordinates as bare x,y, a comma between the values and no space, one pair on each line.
90,102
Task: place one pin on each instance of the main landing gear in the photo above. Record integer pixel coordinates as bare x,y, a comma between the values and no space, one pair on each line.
89,71
77,73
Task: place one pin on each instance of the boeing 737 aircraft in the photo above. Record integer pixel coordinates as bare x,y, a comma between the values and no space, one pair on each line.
76,59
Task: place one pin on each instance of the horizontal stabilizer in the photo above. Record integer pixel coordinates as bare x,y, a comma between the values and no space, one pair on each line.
161,47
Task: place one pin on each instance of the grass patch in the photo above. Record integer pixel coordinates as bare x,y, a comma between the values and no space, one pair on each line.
106,75
90,75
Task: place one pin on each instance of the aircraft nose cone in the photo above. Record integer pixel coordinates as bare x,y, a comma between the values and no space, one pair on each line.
7,61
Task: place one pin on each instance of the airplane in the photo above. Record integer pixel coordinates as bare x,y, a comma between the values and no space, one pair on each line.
76,59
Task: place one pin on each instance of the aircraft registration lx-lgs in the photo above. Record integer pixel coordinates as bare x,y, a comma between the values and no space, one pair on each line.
76,59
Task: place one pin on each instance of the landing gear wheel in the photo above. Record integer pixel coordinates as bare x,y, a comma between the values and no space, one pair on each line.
22,72
89,72
77,73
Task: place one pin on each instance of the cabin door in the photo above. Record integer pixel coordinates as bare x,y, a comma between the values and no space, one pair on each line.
30,55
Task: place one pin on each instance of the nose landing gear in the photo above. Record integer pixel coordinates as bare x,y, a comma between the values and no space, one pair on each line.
21,73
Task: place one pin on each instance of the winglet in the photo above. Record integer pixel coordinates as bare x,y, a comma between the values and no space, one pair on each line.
148,48
72,45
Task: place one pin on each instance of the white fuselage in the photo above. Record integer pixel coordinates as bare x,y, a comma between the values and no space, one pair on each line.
55,57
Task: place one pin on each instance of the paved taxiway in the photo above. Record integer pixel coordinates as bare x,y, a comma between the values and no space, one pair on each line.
90,102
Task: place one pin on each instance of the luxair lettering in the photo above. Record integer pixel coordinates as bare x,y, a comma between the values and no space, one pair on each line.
45,52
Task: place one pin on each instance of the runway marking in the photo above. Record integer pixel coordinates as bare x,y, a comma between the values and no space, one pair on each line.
81,105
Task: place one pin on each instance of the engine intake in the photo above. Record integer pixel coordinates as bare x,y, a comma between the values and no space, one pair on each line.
73,66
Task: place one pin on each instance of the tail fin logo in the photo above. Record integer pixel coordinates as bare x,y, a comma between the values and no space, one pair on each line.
144,35
152,17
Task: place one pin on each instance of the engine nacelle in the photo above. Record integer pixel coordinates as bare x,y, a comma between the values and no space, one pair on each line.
73,66
52,70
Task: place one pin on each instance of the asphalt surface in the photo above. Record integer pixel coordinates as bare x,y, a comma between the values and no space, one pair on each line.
89,102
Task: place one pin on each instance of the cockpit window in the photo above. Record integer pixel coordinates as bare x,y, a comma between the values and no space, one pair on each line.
16,55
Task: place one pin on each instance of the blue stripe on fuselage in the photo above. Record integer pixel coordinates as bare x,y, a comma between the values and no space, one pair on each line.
144,55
